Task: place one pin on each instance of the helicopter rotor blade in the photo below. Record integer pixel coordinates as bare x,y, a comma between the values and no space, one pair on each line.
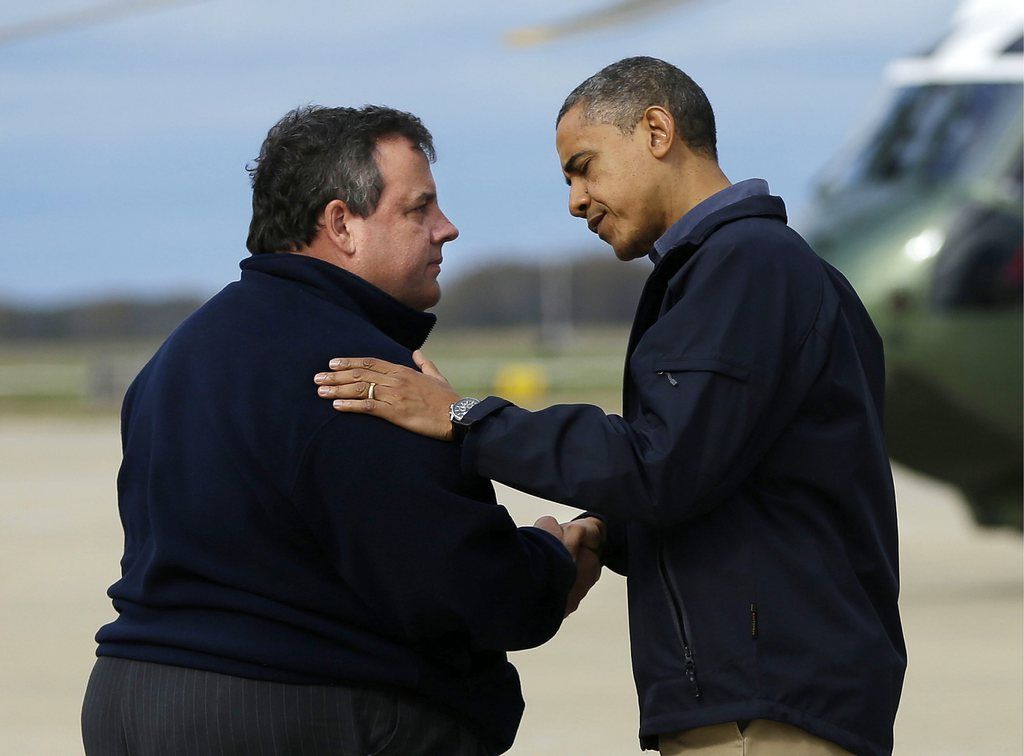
612,15
79,18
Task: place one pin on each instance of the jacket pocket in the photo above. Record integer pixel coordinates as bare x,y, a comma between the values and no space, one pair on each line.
669,365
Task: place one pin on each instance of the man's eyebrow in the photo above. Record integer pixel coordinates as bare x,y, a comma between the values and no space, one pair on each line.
424,197
570,166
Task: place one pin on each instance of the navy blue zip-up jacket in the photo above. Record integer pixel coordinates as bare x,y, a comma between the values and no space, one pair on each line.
270,537
748,489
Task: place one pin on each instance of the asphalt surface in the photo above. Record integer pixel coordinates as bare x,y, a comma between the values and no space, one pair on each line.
60,543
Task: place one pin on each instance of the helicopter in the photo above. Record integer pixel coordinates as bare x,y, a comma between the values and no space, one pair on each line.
923,214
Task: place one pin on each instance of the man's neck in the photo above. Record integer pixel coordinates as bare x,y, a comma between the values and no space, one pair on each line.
322,251
699,180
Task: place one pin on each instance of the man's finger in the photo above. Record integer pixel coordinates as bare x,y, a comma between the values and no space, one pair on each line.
358,390
591,531
588,571
586,533
427,367
366,363
353,375
364,407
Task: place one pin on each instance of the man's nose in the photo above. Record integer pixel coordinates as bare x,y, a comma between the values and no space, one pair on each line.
446,231
579,201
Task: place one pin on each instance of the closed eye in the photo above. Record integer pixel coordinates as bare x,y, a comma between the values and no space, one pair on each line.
580,170
423,202
577,165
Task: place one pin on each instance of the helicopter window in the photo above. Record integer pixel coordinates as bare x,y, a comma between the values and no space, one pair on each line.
932,132
982,263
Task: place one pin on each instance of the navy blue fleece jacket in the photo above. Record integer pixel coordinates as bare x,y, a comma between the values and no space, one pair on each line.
747,489
270,537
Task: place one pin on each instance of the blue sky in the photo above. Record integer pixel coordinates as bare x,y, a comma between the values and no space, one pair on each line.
123,145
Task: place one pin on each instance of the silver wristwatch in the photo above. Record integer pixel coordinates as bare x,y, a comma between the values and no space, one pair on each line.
457,412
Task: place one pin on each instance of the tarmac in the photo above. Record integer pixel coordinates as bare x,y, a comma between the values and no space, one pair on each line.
962,605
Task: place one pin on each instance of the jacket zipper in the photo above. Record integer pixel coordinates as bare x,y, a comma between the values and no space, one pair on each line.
682,625
668,375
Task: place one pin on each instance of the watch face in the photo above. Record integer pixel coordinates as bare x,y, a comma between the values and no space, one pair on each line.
461,407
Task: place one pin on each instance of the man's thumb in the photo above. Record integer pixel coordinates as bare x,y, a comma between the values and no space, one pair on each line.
426,366
549,524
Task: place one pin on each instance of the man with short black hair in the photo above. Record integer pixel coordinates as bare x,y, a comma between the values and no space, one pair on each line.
295,580
746,486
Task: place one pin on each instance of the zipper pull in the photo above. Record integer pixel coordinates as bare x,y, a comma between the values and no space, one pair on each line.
668,375
691,671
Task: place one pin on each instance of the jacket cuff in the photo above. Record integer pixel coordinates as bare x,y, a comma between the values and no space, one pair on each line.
563,572
477,414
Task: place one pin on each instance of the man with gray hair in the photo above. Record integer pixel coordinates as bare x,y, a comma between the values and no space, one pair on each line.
295,580
746,487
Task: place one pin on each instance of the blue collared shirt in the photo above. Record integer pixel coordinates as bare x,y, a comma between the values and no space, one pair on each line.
717,201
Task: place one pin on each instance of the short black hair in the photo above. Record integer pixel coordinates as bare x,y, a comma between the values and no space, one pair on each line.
314,155
620,93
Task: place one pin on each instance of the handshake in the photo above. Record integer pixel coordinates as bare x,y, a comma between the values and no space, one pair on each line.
583,539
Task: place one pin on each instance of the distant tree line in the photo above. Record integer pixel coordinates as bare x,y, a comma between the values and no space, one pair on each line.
108,319
583,291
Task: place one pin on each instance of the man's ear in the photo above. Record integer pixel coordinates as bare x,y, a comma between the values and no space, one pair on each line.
660,129
336,222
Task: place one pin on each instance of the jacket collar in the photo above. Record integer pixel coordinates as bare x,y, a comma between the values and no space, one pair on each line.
403,324
732,194
757,206
649,306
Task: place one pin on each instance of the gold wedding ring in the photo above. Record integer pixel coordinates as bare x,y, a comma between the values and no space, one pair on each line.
369,394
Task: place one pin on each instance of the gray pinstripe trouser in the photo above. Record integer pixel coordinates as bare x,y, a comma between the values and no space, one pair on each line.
134,707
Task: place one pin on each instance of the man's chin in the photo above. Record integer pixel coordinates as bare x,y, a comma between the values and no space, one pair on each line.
430,299
628,253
